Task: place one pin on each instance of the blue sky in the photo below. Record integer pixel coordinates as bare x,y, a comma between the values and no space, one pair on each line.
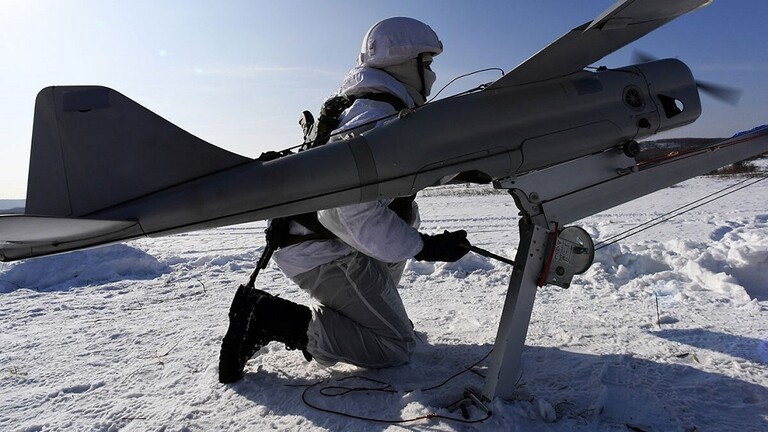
239,73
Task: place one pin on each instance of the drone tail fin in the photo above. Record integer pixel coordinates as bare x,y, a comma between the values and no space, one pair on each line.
94,148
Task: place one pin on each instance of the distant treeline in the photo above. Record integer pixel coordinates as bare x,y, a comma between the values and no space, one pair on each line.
11,206
656,149
650,150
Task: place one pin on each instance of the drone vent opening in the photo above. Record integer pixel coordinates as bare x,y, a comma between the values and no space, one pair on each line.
633,98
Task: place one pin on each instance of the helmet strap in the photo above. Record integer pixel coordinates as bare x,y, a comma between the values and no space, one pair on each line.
420,67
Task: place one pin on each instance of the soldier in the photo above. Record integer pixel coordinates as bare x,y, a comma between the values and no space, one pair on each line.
351,259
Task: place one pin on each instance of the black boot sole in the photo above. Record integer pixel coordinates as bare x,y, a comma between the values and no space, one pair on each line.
233,357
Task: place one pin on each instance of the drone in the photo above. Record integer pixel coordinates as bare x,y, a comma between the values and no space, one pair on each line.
560,137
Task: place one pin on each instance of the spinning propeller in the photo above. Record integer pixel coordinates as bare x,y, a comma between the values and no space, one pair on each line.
720,92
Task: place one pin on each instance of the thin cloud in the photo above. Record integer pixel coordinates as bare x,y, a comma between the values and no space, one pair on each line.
251,71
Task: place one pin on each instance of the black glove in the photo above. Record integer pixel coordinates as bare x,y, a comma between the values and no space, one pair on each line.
448,246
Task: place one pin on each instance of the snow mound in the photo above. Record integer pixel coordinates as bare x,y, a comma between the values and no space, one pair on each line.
467,265
82,268
733,268
745,254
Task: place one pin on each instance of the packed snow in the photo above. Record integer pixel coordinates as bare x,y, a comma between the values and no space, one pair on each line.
667,331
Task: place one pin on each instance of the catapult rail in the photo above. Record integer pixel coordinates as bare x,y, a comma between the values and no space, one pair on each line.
585,186
604,180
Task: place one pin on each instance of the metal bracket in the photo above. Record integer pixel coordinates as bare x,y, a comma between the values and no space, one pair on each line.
545,255
506,360
471,398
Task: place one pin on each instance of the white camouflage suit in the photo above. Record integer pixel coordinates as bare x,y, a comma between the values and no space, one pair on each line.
361,319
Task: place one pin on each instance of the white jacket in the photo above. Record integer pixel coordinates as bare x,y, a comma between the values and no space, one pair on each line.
371,228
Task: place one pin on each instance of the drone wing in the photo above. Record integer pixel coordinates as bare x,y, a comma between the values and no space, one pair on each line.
623,23
24,236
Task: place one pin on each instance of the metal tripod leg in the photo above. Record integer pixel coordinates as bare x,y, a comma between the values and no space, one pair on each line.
506,361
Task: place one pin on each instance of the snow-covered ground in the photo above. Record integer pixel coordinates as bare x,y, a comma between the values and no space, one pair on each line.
126,337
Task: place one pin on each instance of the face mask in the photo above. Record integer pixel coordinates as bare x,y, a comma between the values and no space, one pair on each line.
429,79
407,73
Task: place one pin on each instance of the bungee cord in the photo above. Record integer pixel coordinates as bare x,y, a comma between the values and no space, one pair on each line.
681,210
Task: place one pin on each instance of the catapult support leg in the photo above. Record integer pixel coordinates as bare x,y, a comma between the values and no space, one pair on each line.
506,361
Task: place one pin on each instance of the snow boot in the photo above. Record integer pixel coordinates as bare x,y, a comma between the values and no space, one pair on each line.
277,319
233,353
257,318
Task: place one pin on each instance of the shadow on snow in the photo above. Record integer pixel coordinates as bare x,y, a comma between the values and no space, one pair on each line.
585,391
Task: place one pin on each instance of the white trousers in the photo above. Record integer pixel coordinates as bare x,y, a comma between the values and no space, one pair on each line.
361,319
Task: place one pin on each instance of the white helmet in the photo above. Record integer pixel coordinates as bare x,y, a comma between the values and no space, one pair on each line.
396,40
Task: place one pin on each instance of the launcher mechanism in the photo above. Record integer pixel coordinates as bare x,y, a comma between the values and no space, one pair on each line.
549,255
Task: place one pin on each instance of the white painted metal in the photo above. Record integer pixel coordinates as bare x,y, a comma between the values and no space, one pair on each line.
506,360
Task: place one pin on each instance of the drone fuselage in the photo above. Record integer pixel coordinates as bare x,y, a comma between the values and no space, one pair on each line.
500,132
